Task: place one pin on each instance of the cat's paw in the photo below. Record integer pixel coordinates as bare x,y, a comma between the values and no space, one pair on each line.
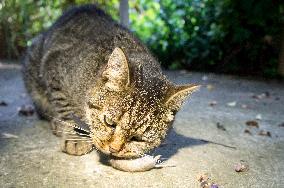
75,146
56,128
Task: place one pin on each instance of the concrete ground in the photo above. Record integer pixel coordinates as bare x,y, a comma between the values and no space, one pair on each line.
208,138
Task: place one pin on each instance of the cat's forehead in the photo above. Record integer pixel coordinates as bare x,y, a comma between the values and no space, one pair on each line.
150,90
145,101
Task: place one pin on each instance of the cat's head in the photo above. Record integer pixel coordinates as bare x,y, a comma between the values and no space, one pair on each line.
129,113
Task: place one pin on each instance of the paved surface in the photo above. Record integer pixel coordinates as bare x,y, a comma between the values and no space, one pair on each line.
30,156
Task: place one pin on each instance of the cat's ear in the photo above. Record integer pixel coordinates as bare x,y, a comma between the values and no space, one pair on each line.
177,94
117,71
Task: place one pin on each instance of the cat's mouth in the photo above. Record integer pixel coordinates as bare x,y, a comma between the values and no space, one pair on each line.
127,150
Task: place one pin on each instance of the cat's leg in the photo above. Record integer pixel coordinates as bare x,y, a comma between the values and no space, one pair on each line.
73,142
61,110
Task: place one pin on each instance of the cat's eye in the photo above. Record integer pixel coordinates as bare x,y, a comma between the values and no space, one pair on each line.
92,105
136,139
108,121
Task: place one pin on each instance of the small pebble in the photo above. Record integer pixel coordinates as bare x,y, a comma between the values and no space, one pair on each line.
3,103
241,167
258,117
220,126
232,104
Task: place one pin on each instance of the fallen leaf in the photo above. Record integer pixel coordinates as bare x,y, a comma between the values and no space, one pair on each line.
241,167
26,110
8,135
264,133
247,131
232,104
221,127
213,103
252,123
3,103
202,177
205,182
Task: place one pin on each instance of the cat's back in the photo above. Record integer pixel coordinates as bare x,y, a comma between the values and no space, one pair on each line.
70,54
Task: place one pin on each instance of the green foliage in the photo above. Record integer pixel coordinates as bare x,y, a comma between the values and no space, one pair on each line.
21,20
236,36
220,35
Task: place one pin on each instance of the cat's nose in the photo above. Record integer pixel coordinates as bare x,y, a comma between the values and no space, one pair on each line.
115,147
113,150
117,142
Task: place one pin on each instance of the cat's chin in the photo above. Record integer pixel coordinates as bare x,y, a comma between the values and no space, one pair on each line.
121,154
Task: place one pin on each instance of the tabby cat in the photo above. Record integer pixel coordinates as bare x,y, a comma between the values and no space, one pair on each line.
99,86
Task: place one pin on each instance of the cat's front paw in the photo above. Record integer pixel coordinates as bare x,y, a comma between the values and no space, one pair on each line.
76,146
56,128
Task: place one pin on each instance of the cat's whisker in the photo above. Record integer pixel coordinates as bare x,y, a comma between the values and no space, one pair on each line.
76,120
78,139
72,133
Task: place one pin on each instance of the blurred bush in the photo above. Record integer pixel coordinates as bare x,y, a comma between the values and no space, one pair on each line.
21,20
235,36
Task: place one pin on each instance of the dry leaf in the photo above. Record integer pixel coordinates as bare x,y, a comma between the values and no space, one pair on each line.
252,123
202,177
205,181
213,103
247,131
241,167
264,133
